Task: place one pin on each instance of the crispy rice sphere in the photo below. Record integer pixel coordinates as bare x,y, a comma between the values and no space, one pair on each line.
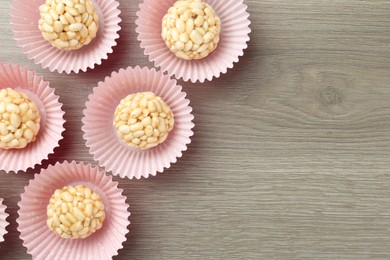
19,119
68,24
143,120
191,29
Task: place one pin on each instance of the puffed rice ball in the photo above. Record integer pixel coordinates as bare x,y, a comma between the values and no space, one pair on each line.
143,120
75,212
68,24
19,119
191,29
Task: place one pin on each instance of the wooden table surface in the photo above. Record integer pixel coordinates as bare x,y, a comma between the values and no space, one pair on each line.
291,153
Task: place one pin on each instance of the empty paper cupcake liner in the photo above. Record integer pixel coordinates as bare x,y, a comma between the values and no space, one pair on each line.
52,121
3,221
234,37
24,20
42,243
102,139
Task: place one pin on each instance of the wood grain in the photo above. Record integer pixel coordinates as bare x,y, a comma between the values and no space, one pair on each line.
290,159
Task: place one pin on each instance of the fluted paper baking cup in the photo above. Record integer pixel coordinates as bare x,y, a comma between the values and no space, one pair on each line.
3,221
234,37
24,20
52,118
102,139
42,243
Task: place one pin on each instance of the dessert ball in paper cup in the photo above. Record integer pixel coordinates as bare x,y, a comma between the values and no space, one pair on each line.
3,221
51,125
42,243
232,40
103,140
27,26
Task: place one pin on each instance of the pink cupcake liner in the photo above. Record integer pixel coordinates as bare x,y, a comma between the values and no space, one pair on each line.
3,221
42,243
52,121
234,37
101,137
24,20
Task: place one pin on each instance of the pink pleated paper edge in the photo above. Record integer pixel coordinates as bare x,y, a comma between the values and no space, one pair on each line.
52,126
41,243
234,37
102,140
24,20
3,221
